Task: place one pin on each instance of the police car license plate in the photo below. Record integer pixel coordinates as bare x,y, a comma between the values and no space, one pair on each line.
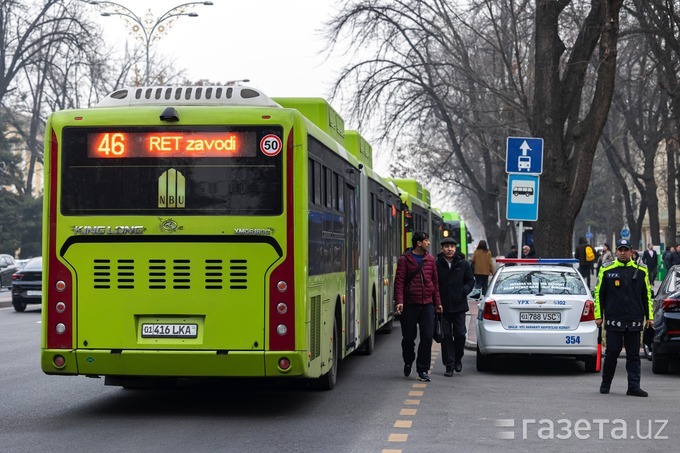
169,330
539,316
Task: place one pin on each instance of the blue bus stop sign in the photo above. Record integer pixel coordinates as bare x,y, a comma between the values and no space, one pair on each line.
524,155
522,203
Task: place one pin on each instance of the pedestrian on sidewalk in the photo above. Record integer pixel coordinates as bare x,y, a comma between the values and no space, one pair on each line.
482,266
585,254
416,292
651,260
455,283
623,295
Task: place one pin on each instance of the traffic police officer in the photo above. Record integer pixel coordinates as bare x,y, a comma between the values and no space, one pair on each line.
624,296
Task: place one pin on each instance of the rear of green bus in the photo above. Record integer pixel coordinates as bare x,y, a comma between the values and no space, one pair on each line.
169,224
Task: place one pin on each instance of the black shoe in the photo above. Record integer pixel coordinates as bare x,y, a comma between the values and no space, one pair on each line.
637,392
449,371
604,389
423,376
458,366
407,369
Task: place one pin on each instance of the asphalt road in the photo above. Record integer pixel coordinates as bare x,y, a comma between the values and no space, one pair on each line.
521,405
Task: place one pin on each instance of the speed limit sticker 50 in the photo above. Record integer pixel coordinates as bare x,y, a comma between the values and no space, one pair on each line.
271,145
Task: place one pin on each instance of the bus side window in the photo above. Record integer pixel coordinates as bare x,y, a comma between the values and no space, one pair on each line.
408,221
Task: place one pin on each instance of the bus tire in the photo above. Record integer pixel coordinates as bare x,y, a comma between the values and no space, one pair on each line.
328,380
369,344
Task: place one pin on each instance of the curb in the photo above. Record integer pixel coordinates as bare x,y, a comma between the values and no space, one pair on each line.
5,292
471,337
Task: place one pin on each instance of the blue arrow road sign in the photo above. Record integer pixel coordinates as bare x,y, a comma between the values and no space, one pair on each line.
522,197
524,155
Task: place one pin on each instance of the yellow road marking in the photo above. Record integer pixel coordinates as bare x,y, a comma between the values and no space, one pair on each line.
403,423
394,437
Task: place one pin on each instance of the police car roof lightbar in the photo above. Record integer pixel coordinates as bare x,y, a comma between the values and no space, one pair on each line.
537,260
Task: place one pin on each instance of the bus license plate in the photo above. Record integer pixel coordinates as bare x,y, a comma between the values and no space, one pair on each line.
539,317
169,330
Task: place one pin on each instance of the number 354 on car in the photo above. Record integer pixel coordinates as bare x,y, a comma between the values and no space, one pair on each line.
537,307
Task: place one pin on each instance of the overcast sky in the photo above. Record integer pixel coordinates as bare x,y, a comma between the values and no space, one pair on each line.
274,43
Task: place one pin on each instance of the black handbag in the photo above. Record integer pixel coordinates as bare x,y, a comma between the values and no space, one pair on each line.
438,328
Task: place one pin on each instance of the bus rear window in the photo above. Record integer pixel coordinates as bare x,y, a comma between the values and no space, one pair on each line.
204,170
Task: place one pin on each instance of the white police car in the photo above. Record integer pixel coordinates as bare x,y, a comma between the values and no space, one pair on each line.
537,306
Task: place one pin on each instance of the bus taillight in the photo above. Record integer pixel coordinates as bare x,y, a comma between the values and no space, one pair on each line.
281,308
284,364
282,279
59,295
59,306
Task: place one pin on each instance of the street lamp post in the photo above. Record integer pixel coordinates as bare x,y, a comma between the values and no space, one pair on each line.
148,28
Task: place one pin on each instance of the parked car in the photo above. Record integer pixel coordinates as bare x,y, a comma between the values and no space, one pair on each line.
7,268
537,307
27,285
21,263
666,344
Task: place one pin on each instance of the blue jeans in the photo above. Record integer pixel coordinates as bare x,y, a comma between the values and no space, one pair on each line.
414,317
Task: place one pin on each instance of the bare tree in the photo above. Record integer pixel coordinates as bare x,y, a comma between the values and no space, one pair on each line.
472,71
445,111
33,36
660,20
641,106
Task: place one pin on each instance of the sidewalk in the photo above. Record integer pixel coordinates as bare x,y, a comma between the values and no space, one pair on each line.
5,298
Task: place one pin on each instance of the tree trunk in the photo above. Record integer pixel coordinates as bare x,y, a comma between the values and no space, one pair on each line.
569,141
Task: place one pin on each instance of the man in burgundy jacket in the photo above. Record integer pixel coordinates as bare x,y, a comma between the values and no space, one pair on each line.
416,292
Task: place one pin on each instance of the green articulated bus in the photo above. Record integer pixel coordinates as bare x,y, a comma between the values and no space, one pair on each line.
418,214
212,232
455,227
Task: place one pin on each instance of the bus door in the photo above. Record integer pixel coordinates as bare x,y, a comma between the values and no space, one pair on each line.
352,261
382,290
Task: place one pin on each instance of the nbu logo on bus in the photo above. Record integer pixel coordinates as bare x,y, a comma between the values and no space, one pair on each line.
171,189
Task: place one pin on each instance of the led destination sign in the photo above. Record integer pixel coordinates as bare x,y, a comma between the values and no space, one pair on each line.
120,145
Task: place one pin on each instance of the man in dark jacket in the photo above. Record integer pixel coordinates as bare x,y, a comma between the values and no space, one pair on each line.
624,296
456,280
651,260
416,292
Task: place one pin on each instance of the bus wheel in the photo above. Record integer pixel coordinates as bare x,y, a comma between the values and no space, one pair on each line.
369,344
328,380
